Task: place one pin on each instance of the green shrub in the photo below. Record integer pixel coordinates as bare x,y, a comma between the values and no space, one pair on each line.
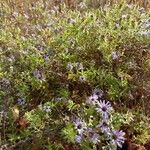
51,62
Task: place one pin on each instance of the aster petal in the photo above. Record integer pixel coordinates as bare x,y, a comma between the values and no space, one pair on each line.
93,99
92,135
78,138
79,125
118,137
104,126
98,92
104,108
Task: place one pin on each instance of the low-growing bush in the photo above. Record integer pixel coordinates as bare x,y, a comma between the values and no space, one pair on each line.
73,79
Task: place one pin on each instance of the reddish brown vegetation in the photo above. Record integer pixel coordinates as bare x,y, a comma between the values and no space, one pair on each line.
129,144
147,145
21,124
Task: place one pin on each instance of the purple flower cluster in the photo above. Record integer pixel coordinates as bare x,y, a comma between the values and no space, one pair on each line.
114,138
92,136
37,74
82,130
77,66
45,55
104,127
4,84
145,27
20,101
103,107
94,98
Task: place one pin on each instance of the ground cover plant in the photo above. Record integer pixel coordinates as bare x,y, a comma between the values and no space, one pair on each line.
74,79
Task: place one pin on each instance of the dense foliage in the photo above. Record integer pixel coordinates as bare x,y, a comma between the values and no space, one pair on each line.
74,79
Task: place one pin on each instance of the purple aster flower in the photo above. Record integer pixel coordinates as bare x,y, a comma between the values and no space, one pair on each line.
104,108
80,125
69,66
93,99
58,99
114,55
103,125
78,138
4,83
37,74
71,21
11,58
20,101
146,25
82,79
39,47
145,33
118,138
47,109
56,31
92,135
98,92
79,66
46,56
